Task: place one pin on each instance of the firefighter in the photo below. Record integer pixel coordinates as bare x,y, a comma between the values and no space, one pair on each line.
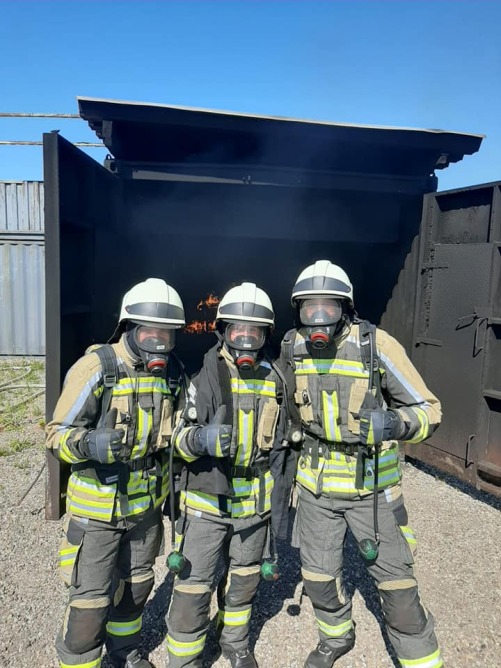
357,394
113,424
226,484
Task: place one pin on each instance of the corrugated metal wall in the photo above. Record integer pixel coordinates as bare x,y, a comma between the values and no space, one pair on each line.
22,268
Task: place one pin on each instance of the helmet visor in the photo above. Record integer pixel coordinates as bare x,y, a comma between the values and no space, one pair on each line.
245,336
155,339
320,311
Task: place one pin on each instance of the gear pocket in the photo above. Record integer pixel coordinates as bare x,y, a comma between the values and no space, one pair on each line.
166,419
266,427
69,551
357,395
121,403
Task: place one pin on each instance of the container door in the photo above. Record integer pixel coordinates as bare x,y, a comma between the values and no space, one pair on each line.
450,344
80,195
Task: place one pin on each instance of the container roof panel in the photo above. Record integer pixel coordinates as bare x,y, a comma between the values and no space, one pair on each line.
146,133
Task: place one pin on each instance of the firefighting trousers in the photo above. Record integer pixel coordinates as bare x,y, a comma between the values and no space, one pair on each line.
108,568
320,530
240,543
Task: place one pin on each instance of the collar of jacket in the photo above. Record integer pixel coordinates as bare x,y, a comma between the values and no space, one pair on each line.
122,350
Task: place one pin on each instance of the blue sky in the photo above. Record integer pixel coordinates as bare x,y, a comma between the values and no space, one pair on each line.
417,63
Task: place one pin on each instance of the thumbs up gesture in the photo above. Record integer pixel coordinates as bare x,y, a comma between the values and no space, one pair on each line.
215,438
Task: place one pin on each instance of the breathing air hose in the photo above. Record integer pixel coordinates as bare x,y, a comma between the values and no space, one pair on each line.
369,548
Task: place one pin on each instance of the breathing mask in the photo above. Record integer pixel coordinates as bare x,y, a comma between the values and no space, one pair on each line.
323,318
244,341
152,344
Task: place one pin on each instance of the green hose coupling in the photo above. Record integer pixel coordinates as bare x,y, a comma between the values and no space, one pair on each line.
369,550
269,571
176,562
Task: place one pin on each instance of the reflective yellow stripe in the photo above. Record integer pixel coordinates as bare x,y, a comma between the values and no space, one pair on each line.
424,422
338,476
330,408
335,367
334,631
266,388
232,618
409,534
185,648
238,506
180,445
245,437
89,664
141,386
124,628
68,556
64,452
431,661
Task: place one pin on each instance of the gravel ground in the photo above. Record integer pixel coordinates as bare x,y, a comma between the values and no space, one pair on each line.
458,567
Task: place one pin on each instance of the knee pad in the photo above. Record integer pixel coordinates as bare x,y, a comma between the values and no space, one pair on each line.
85,627
242,586
402,607
325,592
131,595
189,608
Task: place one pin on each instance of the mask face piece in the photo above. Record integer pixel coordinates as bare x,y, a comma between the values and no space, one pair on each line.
154,344
244,341
321,315
320,311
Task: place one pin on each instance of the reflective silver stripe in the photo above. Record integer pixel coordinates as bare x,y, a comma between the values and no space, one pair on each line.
81,399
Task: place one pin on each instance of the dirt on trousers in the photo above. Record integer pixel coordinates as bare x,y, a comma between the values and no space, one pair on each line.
458,567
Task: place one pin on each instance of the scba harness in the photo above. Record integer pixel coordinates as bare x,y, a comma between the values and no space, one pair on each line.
156,458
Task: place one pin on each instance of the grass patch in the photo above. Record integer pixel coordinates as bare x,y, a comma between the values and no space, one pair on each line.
15,446
13,418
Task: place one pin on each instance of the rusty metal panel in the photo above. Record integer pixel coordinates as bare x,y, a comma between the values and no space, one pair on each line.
22,298
21,206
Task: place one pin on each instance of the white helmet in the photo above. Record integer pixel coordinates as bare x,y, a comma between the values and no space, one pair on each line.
322,279
153,301
246,303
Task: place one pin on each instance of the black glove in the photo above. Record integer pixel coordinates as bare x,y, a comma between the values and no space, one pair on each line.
377,425
103,445
215,438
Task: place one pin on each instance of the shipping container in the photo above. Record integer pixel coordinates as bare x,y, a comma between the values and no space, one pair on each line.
22,308
208,199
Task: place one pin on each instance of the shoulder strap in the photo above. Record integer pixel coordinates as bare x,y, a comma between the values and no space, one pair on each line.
369,354
109,366
288,346
223,374
287,376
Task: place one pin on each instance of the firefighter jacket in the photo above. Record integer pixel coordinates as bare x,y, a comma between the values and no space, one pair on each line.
241,485
330,386
146,408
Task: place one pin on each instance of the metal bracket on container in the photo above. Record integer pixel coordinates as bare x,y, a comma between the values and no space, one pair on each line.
429,342
479,316
429,266
467,461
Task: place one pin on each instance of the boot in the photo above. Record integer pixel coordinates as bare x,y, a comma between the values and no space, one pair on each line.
325,657
241,658
134,660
